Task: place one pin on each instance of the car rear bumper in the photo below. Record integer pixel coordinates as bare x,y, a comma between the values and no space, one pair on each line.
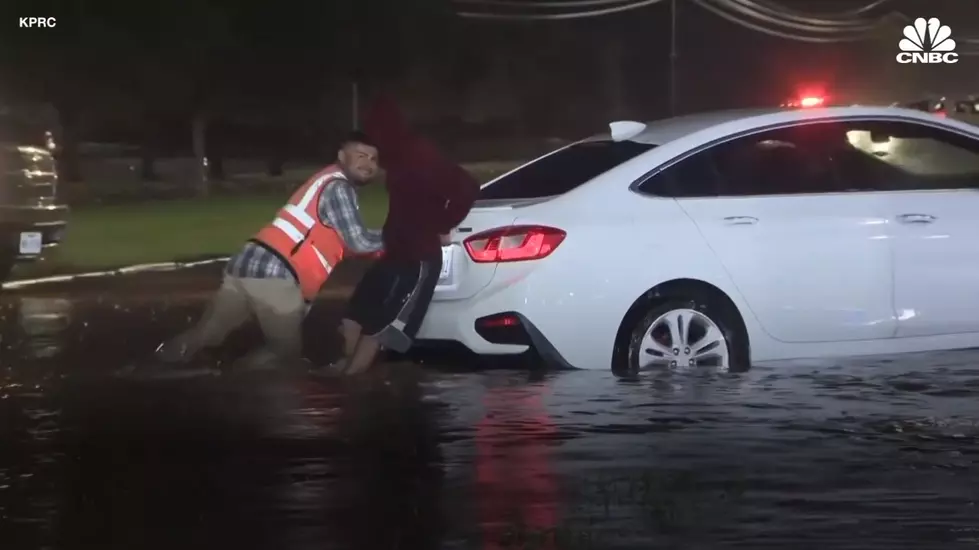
453,323
50,221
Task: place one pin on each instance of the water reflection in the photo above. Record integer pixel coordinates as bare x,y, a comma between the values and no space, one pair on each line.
864,454
389,493
34,328
579,460
44,323
516,489
31,421
255,464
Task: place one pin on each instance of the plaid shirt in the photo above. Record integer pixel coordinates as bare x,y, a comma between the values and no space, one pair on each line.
338,208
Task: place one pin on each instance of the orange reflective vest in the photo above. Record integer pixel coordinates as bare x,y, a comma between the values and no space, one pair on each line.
308,246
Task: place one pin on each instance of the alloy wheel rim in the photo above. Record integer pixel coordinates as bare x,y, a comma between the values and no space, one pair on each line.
683,339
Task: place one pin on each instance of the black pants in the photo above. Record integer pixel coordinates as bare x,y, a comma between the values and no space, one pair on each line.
391,300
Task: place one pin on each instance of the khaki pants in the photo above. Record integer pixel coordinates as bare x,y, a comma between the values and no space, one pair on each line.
276,304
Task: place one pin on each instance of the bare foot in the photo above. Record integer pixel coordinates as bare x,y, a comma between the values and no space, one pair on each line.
336,368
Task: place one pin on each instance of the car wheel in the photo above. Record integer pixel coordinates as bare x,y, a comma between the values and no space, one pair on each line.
686,334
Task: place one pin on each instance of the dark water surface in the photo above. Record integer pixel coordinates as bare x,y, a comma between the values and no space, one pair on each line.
871,454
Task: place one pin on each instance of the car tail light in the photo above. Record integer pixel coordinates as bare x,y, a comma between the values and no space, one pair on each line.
498,321
514,244
502,328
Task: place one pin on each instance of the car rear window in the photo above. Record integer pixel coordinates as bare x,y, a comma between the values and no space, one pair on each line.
560,172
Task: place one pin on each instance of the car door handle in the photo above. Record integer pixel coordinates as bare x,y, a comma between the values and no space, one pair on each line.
916,218
740,220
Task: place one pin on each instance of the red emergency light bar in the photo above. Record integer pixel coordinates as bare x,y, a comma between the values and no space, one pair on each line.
806,102
811,101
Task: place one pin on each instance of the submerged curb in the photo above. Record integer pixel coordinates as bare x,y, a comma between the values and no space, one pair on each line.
140,268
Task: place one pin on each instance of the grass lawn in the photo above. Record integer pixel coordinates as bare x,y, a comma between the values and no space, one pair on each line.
102,237
179,229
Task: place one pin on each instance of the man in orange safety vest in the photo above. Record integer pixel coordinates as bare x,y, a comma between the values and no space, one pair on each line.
280,270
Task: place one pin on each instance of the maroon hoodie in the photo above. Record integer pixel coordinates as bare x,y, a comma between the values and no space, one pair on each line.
428,195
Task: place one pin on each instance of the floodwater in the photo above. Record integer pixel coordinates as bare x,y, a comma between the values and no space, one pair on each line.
872,454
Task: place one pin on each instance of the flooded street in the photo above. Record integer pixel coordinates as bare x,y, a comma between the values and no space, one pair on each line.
866,454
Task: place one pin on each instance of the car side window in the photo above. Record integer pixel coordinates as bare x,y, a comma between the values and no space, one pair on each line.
904,156
785,161
692,177
826,157
777,162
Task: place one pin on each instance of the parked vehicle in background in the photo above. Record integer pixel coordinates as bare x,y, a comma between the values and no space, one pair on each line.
965,109
723,239
32,221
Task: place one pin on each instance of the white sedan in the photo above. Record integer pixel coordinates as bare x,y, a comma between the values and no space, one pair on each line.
724,239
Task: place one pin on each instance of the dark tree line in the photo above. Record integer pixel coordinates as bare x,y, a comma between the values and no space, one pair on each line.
219,71
205,62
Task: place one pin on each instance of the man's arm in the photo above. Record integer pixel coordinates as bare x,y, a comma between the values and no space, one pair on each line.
338,207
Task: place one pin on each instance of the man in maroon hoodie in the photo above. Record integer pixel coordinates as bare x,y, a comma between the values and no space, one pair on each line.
428,196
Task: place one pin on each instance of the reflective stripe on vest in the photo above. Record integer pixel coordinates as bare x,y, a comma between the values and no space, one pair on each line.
299,214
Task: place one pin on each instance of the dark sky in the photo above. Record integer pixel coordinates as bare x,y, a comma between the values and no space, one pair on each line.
277,62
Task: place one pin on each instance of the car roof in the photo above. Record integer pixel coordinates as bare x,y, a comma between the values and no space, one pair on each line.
662,131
